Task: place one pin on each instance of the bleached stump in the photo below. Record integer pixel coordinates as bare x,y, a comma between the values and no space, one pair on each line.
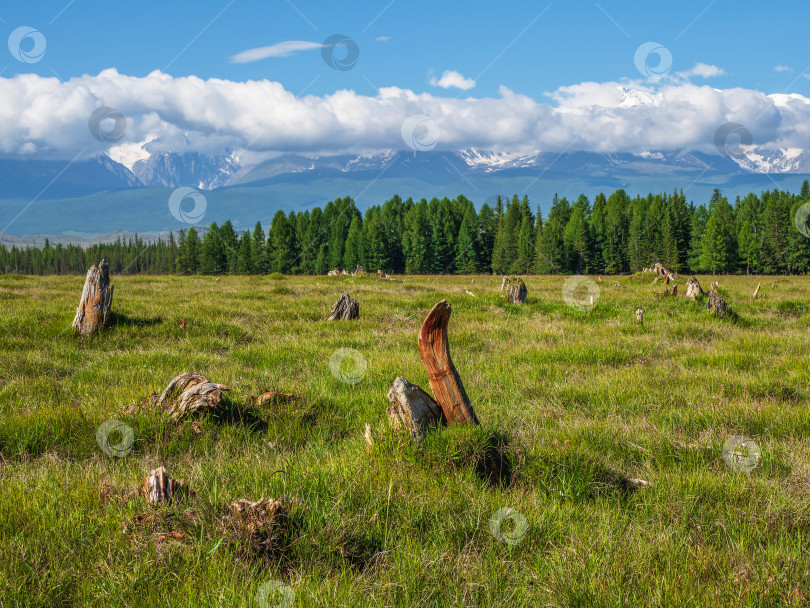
444,379
93,312
693,289
345,309
412,408
160,487
191,392
513,289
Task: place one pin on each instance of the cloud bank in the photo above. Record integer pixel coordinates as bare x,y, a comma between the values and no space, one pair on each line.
44,118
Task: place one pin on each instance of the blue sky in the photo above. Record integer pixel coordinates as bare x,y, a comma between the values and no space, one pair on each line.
573,41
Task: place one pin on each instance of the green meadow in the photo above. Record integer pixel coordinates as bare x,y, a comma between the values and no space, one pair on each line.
608,438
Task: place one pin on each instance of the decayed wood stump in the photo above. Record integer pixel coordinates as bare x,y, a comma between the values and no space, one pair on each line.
756,291
93,312
412,408
258,514
693,289
345,309
513,289
257,525
191,392
716,305
160,487
659,269
444,379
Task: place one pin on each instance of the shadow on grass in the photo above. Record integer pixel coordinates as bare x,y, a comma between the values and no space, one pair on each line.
124,320
239,414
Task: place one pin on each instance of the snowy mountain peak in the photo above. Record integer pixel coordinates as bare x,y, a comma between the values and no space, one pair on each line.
489,161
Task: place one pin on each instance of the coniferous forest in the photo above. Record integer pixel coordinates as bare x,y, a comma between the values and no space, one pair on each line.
611,235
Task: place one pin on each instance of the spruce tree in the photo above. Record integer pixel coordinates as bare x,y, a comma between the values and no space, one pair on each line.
713,247
466,256
280,252
353,255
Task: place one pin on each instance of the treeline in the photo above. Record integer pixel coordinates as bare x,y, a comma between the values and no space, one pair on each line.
610,235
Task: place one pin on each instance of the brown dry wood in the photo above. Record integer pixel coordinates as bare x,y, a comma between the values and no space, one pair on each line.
444,379
191,392
345,309
412,408
756,291
93,312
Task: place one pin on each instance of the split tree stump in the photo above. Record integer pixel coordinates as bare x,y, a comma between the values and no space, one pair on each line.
513,289
191,392
413,408
93,312
160,487
693,289
345,309
444,379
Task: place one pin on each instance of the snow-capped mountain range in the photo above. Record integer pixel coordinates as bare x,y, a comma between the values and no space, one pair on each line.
101,195
171,170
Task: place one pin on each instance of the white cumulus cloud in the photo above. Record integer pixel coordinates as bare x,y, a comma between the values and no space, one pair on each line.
452,79
704,70
45,118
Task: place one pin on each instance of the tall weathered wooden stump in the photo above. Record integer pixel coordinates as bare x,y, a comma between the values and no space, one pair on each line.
513,289
444,379
93,312
345,309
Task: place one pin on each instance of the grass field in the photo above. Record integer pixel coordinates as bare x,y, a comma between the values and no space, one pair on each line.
579,404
